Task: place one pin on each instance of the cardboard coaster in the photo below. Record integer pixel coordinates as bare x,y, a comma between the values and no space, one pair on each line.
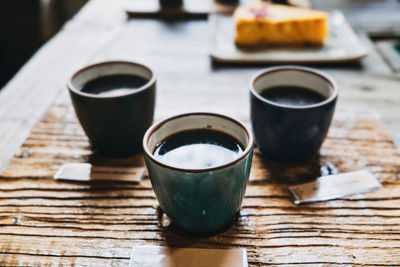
150,256
334,186
85,172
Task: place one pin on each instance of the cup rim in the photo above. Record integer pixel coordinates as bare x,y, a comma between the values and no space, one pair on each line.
308,70
150,82
158,125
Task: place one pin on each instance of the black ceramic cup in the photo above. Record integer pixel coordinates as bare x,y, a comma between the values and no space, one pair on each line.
229,2
114,124
171,3
291,133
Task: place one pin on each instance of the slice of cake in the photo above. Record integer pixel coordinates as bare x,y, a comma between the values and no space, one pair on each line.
262,23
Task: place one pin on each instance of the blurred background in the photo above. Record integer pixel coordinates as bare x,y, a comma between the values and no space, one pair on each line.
25,25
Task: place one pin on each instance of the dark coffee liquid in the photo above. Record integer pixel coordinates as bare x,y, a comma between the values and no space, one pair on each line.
198,149
114,85
292,95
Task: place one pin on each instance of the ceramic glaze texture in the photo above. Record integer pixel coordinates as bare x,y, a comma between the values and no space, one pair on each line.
200,200
115,125
291,133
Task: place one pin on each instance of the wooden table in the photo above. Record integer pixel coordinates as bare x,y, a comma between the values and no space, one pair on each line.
45,222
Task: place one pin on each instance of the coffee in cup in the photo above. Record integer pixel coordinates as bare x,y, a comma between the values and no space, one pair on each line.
198,149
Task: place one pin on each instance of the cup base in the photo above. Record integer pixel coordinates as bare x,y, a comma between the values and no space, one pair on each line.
286,159
198,232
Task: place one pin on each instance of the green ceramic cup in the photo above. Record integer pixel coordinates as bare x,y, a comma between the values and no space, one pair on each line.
202,201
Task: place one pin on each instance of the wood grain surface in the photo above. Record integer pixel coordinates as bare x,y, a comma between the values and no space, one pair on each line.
48,222
179,51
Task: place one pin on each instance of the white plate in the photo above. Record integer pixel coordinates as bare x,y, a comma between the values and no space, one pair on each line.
341,45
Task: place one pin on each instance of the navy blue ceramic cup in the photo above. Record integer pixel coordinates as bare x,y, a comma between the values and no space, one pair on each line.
291,133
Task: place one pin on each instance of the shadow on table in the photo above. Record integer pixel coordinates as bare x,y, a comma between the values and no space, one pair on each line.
173,232
296,173
355,65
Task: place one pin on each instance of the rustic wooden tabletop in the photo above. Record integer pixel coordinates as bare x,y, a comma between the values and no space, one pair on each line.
47,222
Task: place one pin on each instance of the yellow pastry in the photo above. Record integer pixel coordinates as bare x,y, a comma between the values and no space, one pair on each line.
262,23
